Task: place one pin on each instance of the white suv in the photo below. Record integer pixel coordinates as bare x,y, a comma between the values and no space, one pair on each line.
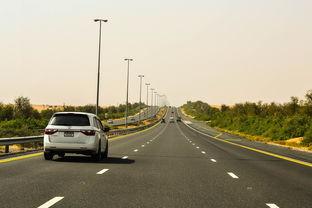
75,132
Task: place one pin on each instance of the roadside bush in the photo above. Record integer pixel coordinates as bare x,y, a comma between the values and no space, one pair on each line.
307,139
13,132
275,121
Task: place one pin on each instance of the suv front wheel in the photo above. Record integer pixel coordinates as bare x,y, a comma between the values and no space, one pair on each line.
105,154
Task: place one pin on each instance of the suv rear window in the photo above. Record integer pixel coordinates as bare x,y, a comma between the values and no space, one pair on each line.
70,120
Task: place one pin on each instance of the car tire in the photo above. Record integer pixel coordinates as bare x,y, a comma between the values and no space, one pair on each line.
48,155
97,156
104,155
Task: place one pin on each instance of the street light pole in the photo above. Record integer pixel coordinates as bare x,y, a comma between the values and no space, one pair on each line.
152,95
141,76
99,65
128,60
147,84
155,102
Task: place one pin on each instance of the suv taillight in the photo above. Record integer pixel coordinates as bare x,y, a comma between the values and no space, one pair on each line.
88,132
50,131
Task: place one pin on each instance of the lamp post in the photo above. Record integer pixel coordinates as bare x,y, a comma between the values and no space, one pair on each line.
155,103
147,84
152,95
140,76
128,60
99,64
155,98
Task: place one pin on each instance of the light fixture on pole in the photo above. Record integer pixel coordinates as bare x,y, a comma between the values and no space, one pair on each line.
99,64
126,121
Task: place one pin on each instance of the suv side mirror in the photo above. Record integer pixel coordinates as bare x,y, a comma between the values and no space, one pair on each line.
106,129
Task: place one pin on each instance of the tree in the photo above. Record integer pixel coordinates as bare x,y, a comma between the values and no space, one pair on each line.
6,112
309,103
22,108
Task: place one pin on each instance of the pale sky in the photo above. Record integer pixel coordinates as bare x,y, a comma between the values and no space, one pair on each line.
217,51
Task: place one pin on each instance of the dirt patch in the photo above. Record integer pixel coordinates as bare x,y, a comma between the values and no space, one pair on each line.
184,113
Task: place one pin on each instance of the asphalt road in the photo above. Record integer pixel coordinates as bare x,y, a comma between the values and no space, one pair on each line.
170,165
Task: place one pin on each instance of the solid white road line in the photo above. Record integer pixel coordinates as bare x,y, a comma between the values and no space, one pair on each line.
135,150
272,205
232,175
102,171
124,157
51,202
203,152
213,160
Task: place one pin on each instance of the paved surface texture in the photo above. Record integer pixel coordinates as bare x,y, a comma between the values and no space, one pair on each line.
170,165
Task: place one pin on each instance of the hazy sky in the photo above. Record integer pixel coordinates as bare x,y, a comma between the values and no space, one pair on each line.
217,51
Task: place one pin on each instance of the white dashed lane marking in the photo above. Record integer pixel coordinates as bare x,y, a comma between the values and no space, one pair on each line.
203,152
102,171
272,205
197,147
124,157
135,150
213,160
142,145
232,175
51,202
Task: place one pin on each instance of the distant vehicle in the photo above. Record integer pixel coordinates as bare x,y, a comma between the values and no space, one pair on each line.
75,132
171,120
178,119
132,119
163,120
110,122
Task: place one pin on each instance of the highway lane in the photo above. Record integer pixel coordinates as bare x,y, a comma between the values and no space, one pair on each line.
169,165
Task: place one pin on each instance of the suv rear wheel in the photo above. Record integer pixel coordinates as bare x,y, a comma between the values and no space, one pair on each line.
48,155
97,156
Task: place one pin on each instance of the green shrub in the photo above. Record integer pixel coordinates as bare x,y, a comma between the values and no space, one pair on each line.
307,139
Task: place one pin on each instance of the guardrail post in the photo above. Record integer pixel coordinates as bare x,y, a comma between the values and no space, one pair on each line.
36,145
7,148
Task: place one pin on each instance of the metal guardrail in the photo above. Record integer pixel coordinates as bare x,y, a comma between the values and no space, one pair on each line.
114,133
37,139
20,140
135,121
